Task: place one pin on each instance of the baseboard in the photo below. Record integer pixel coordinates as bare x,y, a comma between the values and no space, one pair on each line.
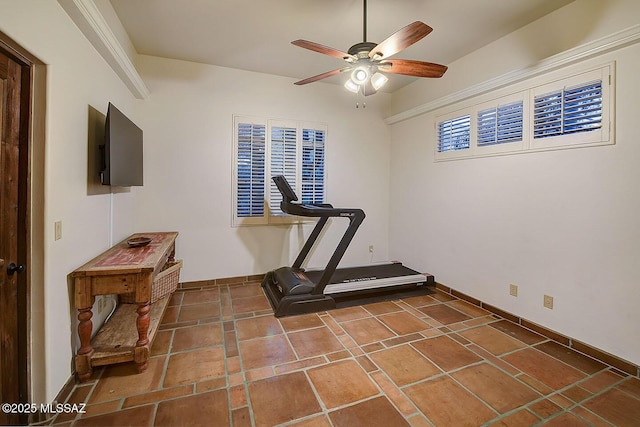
238,280
589,350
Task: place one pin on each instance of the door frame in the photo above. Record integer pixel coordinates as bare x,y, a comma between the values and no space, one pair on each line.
36,384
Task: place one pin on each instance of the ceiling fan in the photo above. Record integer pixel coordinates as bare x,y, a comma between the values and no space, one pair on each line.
369,61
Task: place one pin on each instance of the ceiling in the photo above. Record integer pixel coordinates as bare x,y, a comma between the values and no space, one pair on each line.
256,35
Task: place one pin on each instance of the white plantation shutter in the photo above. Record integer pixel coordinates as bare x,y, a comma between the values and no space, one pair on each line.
547,116
265,148
283,162
313,165
251,151
454,134
569,110
583,107
565,110
501,124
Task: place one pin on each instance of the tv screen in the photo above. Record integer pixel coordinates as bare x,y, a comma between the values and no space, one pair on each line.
122,151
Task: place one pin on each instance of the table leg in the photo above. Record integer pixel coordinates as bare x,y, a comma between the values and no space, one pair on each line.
141,355
83,358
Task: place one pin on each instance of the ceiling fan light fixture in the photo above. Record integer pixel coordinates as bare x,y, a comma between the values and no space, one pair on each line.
351,86
378,80
360,75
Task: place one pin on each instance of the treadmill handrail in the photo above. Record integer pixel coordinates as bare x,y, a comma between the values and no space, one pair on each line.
318,210
324,211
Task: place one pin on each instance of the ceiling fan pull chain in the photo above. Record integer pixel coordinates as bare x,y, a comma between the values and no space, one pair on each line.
360,94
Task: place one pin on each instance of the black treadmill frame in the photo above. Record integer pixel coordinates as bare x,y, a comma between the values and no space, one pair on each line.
323,211
291,292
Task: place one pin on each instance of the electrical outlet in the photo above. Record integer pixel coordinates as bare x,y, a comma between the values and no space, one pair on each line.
371,248
548,302
513,290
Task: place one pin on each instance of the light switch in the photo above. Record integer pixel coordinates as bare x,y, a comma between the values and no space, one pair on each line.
58,230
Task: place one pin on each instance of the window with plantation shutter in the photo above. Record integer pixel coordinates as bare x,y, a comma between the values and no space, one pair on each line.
312,166
570,110
561,110
284,160
501,124
454,134
251,151
575,111
264,148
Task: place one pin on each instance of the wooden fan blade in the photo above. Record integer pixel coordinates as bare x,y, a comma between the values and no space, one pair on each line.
321,76
400,40
413,68
316,47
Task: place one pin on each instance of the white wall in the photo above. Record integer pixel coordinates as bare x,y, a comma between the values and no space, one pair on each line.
77,78
562,223
188,124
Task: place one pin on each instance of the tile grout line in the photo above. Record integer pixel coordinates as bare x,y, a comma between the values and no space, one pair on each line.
417,410
245,382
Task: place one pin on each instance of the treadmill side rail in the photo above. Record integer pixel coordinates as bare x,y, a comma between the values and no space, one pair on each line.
339,288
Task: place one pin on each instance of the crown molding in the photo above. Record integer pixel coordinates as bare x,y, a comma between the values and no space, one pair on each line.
600,46
95,28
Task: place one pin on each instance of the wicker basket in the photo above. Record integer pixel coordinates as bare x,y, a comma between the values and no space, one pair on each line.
165,283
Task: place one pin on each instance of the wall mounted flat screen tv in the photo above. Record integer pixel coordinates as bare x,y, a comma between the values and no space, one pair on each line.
122,151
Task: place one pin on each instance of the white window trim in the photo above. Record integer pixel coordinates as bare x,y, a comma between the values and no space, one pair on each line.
269,219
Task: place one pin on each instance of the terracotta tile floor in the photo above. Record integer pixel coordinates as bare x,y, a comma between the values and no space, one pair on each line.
222,359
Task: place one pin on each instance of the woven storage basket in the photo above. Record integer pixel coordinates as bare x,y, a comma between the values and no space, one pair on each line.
165,283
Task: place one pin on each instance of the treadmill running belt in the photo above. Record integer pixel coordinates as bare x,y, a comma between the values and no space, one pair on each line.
358,274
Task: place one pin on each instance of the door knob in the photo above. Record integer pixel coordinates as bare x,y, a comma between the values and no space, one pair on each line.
13,268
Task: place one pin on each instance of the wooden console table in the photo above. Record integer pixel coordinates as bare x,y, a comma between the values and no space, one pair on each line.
129,333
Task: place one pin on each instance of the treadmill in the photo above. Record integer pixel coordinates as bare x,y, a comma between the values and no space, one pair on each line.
294,290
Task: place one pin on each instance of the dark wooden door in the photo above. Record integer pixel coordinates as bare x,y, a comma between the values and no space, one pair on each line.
14,128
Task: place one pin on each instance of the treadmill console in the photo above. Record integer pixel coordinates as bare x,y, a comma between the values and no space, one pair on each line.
285,189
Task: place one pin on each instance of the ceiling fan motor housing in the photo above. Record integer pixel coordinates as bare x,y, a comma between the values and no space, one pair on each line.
361,50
